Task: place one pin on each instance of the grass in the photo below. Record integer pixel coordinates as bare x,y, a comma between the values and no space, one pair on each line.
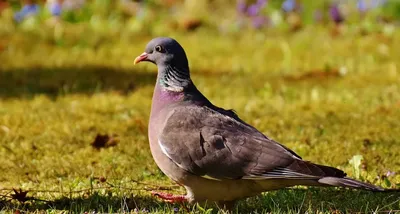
327,98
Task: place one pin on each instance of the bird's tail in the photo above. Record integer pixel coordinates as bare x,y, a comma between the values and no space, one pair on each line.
351,183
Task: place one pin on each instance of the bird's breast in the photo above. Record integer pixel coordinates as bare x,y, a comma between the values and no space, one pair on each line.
167,166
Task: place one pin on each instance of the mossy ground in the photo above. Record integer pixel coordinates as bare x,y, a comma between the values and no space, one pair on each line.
327,98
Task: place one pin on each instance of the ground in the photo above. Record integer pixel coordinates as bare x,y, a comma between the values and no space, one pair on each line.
329,98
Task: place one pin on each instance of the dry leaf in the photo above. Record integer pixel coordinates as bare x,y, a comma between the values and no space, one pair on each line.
104,141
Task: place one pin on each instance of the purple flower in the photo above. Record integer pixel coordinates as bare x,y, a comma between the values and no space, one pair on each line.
362,6
335,14
27,10
390,173
289,5
55,8
176,210
253,10
261,3
241,6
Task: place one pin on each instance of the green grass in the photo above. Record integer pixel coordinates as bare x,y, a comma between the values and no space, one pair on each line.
327,98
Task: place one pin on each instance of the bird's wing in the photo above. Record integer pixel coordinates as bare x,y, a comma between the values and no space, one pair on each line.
208,143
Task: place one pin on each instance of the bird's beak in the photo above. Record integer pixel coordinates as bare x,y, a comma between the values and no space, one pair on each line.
141,57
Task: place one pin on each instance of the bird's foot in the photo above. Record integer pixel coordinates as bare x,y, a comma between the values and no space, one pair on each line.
168,197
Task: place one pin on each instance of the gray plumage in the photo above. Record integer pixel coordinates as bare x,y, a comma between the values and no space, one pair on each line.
209,150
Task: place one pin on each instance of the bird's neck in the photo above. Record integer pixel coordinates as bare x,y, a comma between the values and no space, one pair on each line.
170,87
174,85
173,78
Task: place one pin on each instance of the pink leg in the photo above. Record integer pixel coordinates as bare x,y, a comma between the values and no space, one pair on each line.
168,197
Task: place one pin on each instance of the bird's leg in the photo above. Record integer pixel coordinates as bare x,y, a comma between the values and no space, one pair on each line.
168,197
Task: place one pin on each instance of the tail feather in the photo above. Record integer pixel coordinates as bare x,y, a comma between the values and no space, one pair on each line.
348,182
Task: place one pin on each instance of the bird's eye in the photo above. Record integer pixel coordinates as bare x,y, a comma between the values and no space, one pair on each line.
158,48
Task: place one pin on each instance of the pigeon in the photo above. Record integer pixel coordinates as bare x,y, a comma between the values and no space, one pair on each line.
210,151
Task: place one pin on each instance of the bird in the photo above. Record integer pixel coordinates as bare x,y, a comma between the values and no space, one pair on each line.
216,156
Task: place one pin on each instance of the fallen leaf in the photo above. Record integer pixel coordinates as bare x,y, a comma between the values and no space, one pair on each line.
191,24
102,179
104,141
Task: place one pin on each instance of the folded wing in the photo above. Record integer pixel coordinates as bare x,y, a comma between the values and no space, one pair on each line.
208,143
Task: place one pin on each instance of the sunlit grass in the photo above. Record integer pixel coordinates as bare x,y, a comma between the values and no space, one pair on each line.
328,98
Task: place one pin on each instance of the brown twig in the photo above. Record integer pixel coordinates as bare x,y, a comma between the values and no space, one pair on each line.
169,187
21,195
86,190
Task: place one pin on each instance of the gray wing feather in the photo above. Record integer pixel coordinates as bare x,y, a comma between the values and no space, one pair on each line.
208,143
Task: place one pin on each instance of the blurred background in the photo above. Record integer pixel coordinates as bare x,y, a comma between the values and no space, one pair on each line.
93,24
320,76
132,16
124,18
65,33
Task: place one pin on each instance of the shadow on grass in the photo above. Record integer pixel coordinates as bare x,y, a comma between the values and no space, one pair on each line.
327,200
93,203
65,80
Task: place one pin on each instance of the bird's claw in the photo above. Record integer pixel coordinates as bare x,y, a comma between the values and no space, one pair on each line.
168,197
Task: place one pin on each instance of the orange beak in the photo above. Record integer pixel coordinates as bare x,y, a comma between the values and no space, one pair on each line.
141,57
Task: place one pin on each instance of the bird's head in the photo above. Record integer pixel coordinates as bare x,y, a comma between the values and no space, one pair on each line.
163,51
